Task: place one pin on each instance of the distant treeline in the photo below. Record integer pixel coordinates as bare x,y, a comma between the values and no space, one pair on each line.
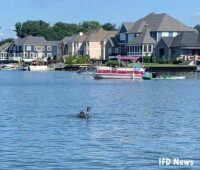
3,41
59,30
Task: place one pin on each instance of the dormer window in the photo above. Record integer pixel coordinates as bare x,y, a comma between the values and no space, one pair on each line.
122,37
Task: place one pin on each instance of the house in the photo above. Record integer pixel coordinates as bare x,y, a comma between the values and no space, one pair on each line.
112,47
95,43
92,43
32,47
185,45
79,44
123,37
139,38
3,51
73,45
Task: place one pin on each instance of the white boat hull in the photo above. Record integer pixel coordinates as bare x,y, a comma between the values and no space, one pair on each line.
38,68
116,76
118,73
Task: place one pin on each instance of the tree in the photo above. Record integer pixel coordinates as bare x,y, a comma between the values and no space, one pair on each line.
59,30
109,26
8,40
197,27
35,28
87,26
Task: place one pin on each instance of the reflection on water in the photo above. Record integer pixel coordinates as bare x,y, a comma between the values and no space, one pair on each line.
132,124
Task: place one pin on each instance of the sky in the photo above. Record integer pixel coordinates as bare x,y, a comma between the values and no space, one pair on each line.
75,11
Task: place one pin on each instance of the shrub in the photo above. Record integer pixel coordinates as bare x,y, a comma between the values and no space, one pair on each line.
146,59
77,59
115,63
162,60
153,59
178,60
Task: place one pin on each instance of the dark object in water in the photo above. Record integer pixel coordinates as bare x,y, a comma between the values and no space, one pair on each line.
84,115
149,75
154,74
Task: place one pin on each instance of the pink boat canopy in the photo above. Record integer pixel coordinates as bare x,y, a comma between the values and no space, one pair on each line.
134,58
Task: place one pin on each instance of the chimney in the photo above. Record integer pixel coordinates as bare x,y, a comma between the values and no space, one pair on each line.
81,33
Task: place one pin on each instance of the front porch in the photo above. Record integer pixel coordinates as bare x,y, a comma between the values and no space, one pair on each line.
140,50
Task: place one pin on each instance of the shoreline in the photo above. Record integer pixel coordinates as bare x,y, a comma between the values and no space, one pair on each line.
153,68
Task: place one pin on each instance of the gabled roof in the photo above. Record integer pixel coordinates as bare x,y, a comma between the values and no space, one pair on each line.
167,40
72,38
159,22
34,40
100,35
30,40
128,25
113,41
144,38
4,46
66,39
187,39
81,38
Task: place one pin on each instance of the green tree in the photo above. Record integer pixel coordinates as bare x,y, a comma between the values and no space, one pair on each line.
87,26
197,27
109,26
8,40
59,30
35,28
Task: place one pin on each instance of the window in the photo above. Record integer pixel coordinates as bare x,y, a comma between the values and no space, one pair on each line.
149,48
25,55
145,48
28,48
140,48
130,37
122,37
49,48
39,48
43,55
175,34
31,55
136,48
165,34
159,35
49,54
109,51
131,50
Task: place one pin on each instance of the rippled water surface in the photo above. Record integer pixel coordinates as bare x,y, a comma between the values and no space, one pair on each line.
132,123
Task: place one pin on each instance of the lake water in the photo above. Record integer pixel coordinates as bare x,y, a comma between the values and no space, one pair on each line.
132,123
